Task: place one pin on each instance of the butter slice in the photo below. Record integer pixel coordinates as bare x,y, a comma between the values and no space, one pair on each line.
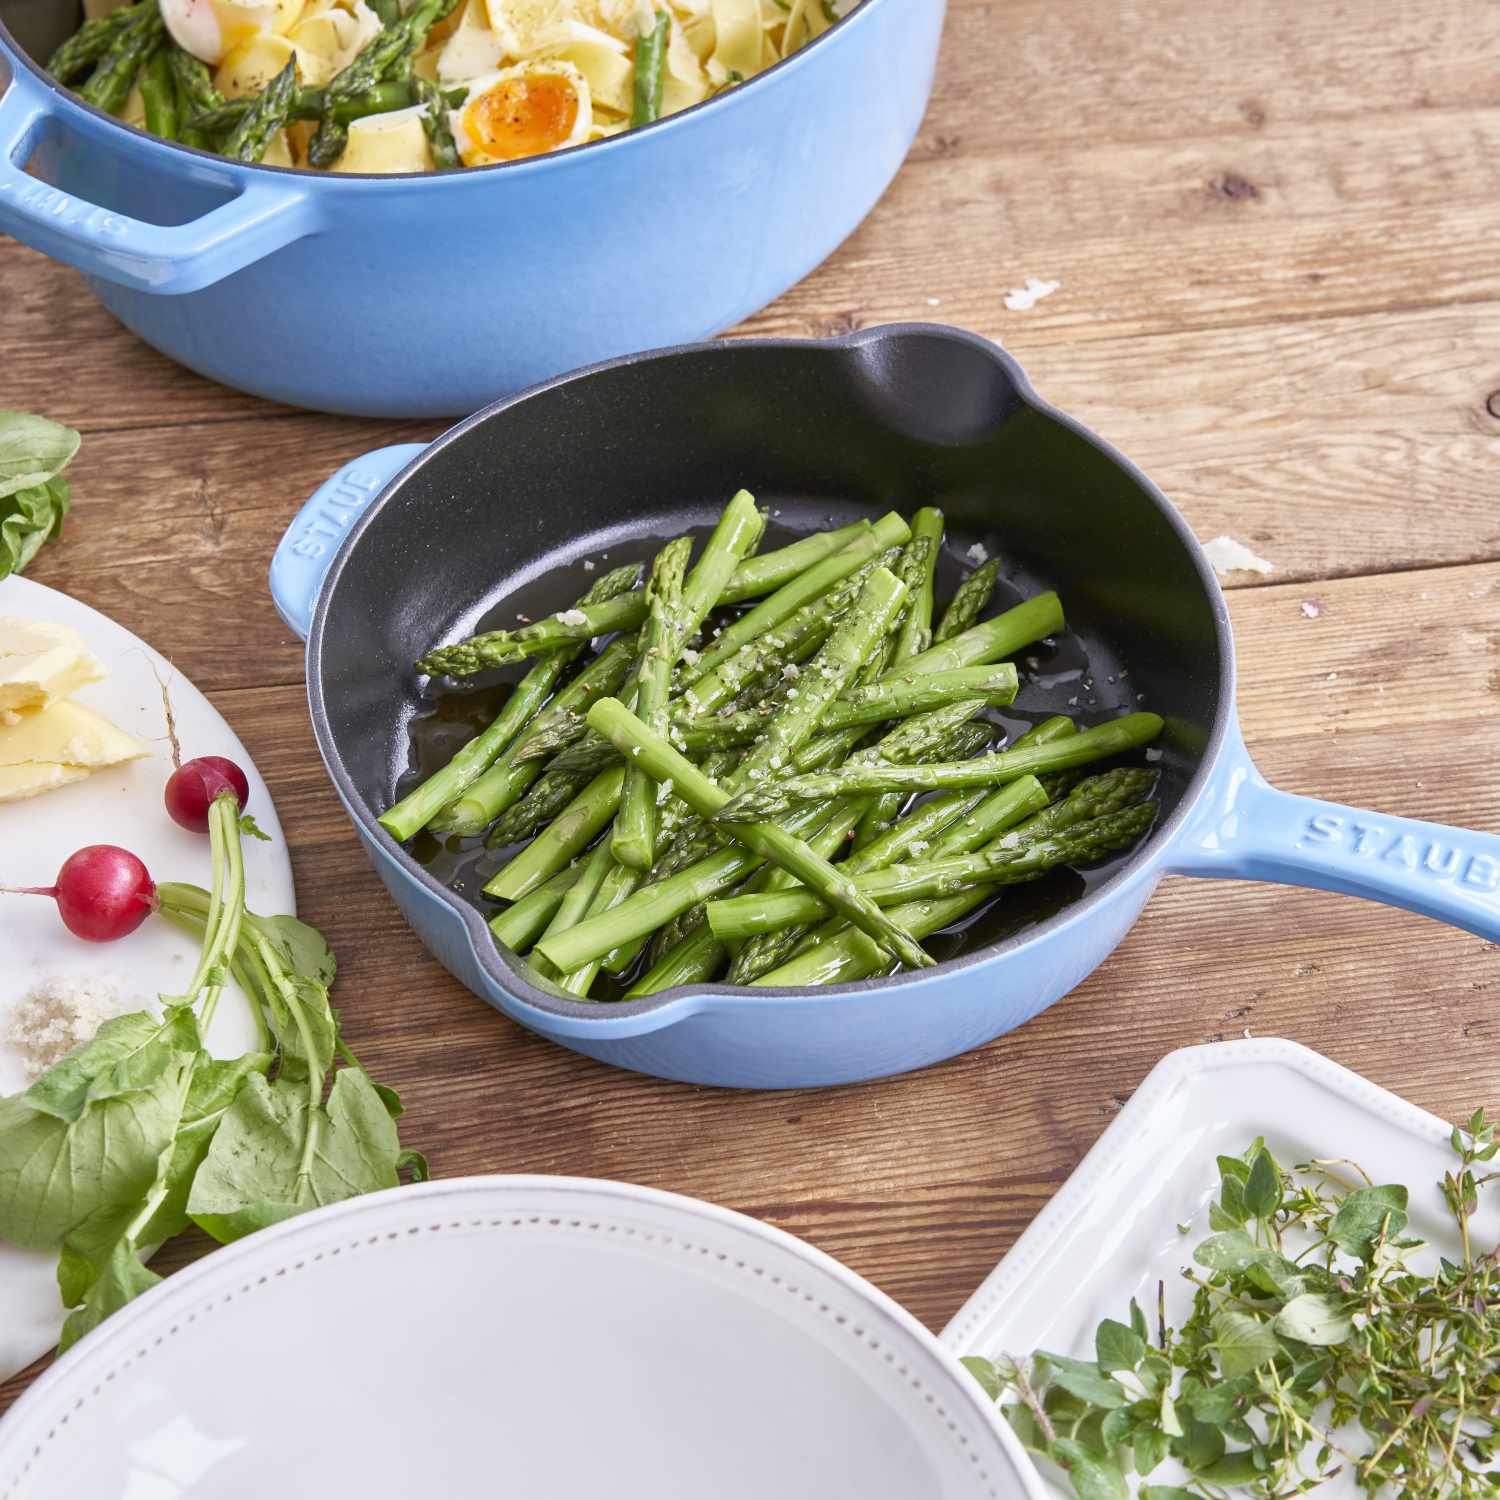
41,663
67,734
20,782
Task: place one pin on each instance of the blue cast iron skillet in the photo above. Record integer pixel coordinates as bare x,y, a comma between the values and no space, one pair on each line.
409,546
431,295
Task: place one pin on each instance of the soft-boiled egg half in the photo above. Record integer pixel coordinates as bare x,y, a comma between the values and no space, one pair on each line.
525,110
212,29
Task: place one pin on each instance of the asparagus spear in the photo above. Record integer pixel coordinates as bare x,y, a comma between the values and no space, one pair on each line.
787,646
994,639
440,140
129,50
571,831
634,838
658,758
753,577
195,82
619,884
695,959
970,599
385,51
159,95
389,11
1129,732
889,530
576,901
521,924
650,57
249,140
745,916
91,41
551,794
920,564
916,629
873,704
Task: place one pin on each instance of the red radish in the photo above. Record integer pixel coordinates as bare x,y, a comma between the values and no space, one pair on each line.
102,893
195,785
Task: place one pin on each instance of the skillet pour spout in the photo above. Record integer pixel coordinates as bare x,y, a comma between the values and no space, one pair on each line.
409,546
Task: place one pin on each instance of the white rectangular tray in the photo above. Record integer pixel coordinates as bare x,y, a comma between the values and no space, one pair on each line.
1112,1233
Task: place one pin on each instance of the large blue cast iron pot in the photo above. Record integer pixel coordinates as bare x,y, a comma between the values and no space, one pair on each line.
432,295
410,545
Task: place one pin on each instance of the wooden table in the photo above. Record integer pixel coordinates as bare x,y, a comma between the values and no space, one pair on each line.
1276,229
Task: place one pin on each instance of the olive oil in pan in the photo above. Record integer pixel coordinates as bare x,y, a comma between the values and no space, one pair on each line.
1065,675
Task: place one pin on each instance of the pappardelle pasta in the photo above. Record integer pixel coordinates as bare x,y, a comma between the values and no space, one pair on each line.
392,86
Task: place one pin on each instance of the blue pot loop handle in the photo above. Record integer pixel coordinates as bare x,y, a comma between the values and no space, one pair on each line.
315,536
267,210
1246,829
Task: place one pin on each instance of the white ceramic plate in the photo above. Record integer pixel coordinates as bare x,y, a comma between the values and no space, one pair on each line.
549,1338
1111,1233
122,806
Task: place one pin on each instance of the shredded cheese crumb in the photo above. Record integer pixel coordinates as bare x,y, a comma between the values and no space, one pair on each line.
588,566
689,656
791,671
1024,298
1229,556
573,617
977,554
1311,609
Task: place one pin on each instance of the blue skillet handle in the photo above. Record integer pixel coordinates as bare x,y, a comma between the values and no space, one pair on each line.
1248,830
269,210
310,542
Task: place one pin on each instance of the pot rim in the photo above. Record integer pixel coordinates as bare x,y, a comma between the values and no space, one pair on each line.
1140,863
784,68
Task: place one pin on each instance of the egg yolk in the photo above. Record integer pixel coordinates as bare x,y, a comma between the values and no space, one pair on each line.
524,116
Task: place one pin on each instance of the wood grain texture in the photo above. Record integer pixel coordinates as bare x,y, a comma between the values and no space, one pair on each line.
1274,226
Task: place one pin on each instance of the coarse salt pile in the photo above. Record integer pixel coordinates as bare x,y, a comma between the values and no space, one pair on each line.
59,1014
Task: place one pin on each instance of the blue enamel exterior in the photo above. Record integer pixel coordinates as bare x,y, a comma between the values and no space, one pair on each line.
1231,824
433,295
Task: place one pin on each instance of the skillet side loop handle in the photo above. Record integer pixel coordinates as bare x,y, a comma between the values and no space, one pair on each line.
266,212
1255,832
314,537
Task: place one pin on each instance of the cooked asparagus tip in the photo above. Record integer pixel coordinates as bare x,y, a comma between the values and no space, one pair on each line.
634,838
572,831
970,600
90,42
650,58
1114,738
889,530
272,109
915,634
744,916
159,96
435,124
471,791
129,49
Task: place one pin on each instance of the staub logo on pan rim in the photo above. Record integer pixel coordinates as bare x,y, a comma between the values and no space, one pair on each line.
338,507
1421,856
43,199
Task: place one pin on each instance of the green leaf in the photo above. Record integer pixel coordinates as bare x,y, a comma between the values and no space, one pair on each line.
1218,1403
128,1053
216,1085
98,1293
1244,1343
1314,1319
1138,1322
32,451
1201,1446
1171,1423
251,829
1026,1427
413,1163
1357,1226
1116,1427
275,1156
1117,1347
984,1371
1276,1276
1167,1492
1149,1449
1092,1478
1234,1169
1233,1469
1263,1187
1232,1250
303,949
55,1173
1085,1381
29,518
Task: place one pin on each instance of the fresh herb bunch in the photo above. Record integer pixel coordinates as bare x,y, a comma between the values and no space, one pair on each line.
140,1132
33,493
1314,1347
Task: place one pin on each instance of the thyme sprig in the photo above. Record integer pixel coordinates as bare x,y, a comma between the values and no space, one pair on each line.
1316,1345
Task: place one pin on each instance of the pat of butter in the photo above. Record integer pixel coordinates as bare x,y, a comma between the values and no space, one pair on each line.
41,663
67,734
17,783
